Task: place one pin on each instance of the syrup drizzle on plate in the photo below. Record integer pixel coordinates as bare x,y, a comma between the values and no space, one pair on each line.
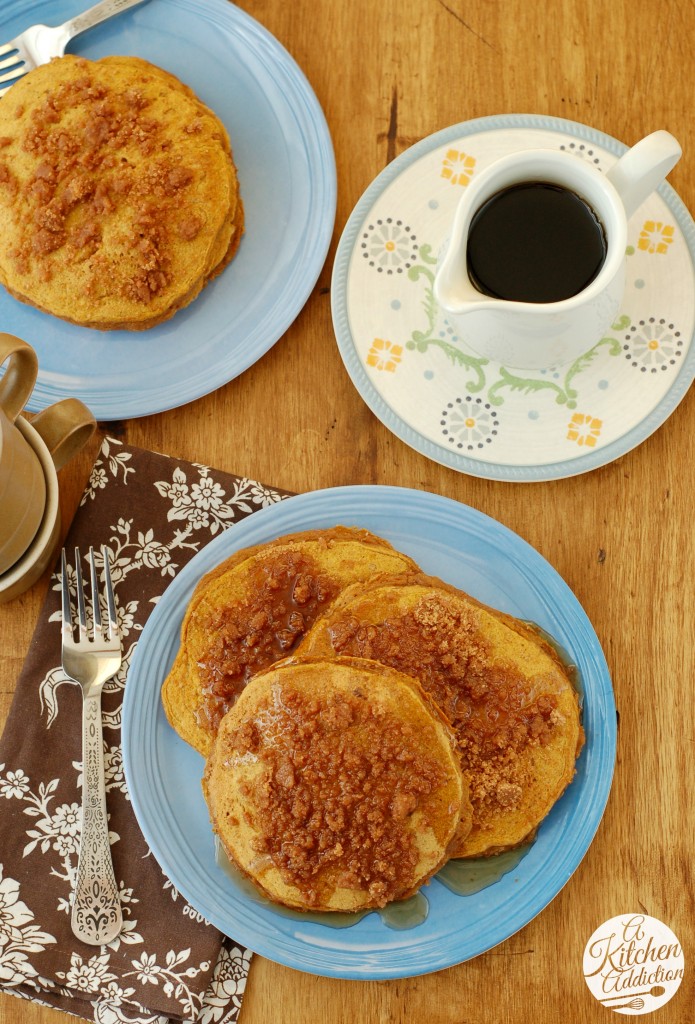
568,662
399,916
463,877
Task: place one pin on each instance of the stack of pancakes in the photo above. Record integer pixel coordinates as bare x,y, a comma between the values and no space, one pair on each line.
363,722
254,609
119,198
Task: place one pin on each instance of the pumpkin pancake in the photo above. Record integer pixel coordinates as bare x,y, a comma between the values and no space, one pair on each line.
119,197
252,610
335,785
506,693
232,230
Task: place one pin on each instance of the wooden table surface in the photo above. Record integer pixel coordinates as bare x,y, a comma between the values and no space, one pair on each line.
388,74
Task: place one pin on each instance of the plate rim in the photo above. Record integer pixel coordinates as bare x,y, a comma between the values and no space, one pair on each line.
590,459
310,248
282,949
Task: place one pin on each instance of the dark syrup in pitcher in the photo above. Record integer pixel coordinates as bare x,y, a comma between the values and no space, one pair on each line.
535,242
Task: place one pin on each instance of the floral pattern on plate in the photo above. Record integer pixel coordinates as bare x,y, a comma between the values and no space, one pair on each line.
427,383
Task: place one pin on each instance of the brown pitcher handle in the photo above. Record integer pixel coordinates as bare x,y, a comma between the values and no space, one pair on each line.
19,378
65,428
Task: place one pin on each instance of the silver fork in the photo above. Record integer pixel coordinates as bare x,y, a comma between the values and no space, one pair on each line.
39,43
91,661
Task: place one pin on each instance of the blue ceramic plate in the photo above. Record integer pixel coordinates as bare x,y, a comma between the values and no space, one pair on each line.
284,155
468,549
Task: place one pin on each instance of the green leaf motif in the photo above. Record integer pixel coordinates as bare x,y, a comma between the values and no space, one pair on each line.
566,394
422,340
526,385
425,253
459,358
621,324
416,272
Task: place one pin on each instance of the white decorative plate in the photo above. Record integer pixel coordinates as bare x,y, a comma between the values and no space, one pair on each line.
432,390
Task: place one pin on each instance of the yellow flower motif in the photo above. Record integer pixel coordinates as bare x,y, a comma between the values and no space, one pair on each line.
384,355
584,429
458,167
655,236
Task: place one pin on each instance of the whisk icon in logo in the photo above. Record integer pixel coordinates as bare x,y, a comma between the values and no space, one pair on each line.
633,964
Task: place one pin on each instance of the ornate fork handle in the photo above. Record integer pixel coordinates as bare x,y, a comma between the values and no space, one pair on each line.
100,12
96,909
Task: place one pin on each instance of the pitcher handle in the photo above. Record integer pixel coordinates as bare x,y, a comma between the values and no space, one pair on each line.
642,169
19,378
65,428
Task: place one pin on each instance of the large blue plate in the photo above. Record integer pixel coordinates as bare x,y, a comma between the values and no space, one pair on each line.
284,155
163,774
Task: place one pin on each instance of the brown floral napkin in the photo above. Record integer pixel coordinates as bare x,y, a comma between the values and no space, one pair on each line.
153,513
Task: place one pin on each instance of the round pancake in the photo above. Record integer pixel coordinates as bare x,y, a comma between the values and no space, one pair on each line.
252,610
335,785
119,197
508,697
230,234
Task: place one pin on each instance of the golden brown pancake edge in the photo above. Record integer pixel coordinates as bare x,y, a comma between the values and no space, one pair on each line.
512,790
341,554
287,799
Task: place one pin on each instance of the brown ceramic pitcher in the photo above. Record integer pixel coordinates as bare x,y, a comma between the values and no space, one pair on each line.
30,455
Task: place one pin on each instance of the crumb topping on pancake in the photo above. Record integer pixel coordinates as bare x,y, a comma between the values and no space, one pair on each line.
489,704
334,784
341,777
254,609
118,193
338,682
287,591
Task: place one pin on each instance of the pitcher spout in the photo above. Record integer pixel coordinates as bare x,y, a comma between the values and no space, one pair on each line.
453,290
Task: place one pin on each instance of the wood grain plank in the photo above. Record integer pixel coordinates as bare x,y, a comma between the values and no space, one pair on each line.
387,75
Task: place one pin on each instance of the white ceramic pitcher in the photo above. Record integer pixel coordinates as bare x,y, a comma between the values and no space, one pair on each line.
528,335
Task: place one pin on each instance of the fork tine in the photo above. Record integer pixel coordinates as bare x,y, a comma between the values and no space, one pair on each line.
15,73
65,596
111,604
96,607
8,47
10,61
81,613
